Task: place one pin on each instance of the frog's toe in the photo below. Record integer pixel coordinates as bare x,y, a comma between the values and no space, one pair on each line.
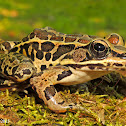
63,105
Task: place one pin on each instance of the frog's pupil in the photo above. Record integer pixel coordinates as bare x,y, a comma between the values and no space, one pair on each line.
99,47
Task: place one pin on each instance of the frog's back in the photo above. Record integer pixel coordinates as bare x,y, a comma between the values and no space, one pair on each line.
46,47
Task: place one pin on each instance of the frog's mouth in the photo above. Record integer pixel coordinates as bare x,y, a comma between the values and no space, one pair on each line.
85,71
108,65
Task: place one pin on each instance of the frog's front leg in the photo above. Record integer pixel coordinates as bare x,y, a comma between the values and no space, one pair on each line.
44,86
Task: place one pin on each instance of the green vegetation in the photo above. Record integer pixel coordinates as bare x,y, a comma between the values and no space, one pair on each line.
99,17
102,109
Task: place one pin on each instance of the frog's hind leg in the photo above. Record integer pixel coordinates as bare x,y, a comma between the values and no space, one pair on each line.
16,66
44,86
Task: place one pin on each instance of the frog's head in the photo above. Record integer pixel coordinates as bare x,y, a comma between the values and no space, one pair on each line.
99,55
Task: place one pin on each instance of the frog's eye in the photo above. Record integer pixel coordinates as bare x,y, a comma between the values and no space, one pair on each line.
99,49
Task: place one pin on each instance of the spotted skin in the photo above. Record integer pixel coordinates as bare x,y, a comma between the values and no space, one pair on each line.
46,57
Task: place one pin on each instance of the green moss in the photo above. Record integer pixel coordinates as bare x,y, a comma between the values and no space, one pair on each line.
100,109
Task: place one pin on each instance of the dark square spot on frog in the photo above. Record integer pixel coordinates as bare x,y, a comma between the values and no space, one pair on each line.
41,34
25,39
47,46
48,56
56,38
43,67
70,39
64,74
35,45
50,92
32,35
118,64
39,54
14,49
26,71
50,65
7,45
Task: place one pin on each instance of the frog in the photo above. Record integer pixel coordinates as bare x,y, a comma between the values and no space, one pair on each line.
46,57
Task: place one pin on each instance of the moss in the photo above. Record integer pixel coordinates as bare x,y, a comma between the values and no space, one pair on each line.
100,109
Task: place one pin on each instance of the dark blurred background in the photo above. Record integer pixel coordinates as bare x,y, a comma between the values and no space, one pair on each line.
93,17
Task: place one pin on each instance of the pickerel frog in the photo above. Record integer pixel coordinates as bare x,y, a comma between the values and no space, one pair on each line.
46,57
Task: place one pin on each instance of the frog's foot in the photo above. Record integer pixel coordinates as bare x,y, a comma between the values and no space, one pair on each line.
53,99
44,86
